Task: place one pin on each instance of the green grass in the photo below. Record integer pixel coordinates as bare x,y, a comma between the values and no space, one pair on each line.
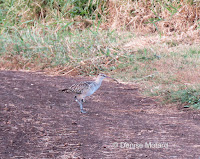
89,50
61,15
188,97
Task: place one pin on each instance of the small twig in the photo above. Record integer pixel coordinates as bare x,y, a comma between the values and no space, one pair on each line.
71,70
148,76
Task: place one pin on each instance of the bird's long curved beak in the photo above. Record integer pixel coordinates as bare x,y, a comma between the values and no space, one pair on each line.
112,79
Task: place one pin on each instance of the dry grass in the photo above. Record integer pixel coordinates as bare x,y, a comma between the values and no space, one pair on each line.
176,68
140,16
148,16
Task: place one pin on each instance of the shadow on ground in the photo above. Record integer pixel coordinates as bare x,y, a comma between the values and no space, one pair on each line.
38,121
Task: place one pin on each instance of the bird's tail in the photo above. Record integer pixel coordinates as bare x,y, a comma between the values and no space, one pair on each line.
65,90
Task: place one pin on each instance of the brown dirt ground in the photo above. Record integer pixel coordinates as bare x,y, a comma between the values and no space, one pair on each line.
38,121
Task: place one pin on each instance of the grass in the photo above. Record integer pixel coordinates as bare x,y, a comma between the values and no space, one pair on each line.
166,71
188,97
88,37
89,51
177,74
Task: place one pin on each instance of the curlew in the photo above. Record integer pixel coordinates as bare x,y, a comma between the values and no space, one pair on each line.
84,89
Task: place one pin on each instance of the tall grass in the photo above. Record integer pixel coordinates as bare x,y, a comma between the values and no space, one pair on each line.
164,16
63,13
88,51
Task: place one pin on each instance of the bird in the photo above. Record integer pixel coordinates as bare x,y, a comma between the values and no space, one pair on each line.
84,89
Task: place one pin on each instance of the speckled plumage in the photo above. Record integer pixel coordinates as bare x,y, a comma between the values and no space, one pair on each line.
80,87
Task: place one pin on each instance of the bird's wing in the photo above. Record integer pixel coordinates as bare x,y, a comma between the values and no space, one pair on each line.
80,87
66,90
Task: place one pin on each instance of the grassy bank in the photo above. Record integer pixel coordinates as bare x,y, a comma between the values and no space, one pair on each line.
164,70
153,44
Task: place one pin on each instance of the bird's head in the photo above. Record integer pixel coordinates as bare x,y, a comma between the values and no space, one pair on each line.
102,76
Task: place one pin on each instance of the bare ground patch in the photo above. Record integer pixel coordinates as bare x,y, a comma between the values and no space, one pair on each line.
37,121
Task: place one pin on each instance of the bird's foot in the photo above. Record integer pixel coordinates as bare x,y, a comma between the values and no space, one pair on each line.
76,98
82,111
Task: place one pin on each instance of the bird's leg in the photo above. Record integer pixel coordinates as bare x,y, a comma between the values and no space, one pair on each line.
80,104
83,100
76,98
81,107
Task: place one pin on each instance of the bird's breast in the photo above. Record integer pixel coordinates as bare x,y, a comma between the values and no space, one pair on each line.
92,90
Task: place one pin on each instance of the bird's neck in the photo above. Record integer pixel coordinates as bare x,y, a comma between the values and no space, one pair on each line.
98,81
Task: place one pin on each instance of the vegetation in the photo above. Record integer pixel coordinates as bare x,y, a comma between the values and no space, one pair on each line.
189,97
134,40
